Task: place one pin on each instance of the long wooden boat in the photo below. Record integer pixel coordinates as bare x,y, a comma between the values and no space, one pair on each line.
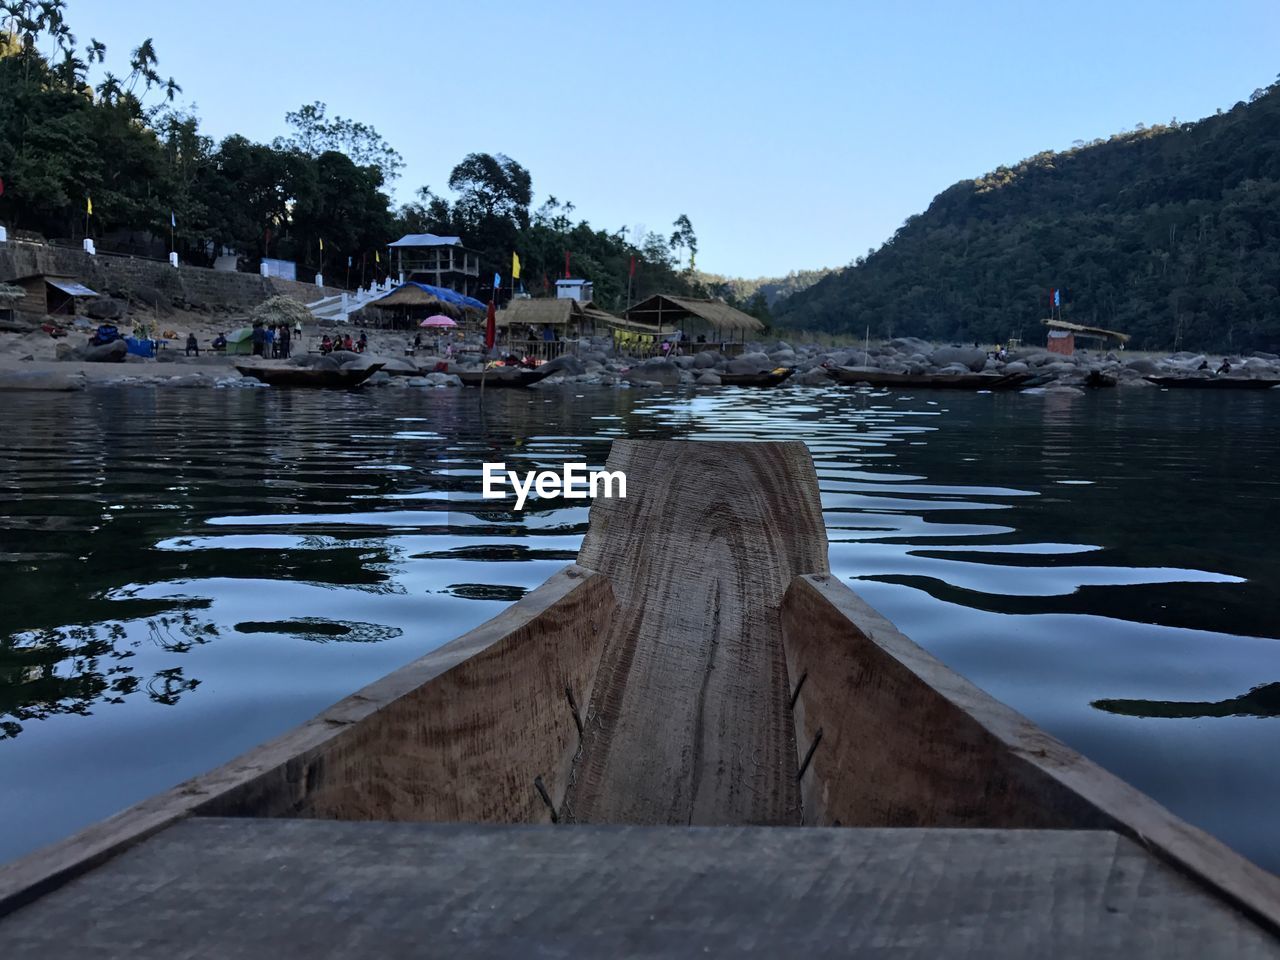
501,376
947,381
290,376
770,379
1225,382
611,766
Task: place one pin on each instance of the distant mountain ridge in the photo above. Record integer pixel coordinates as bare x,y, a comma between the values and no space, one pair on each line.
772,289
1170,233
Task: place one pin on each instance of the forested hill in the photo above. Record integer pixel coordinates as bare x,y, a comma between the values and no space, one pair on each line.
1170,233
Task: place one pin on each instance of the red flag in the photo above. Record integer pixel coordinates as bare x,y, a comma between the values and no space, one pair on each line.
566,264
1,186
632,271
490,326
546,281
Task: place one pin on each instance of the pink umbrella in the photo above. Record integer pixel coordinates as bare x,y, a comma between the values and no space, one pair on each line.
439,320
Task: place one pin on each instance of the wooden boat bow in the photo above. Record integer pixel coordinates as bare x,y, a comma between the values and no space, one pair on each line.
697,667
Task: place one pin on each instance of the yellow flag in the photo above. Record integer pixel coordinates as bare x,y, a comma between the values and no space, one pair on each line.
377,257
515,266
322,244
88,206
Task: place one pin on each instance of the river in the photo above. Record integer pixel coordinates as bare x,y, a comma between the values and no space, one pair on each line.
187,573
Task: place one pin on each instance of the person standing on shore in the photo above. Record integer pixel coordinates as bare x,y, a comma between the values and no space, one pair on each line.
285,341
259,339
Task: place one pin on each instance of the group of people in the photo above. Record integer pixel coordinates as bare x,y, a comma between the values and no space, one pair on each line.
329,344
1223,368
274,340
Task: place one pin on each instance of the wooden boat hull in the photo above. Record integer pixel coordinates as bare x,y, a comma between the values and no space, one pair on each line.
661,681
279,376
1214,383
932,381
770,379
500,377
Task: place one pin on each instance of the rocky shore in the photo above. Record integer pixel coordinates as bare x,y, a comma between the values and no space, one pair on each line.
592,362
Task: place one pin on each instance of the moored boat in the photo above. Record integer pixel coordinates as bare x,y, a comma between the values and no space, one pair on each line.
947,381
644,723
770,378
1224,382
290,376
501,376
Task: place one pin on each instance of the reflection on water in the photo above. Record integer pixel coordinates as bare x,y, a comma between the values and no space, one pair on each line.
1263,701
188,574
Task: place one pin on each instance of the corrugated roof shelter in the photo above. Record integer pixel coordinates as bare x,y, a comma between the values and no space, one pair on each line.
663,312
1062,335
56,296
1098,333
437,261
426,240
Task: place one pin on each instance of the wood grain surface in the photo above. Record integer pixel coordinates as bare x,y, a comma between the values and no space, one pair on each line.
690,721
313,889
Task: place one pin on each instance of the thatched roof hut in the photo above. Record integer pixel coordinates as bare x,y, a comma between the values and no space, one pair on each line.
412,295
663,312
414,301
558,313
277,310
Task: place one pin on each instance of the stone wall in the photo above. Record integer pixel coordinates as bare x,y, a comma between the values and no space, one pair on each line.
154,283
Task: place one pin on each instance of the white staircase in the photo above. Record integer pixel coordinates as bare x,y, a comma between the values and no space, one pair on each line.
339,308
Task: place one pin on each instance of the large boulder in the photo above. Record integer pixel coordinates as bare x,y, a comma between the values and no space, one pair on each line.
1142,365
911,345
655,370
972,358
104,308
398,366
113,352
566,364
751,363
705,360
707,378
783,358
56,380
813,377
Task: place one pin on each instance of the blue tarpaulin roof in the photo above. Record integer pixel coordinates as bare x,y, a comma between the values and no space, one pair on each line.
443,294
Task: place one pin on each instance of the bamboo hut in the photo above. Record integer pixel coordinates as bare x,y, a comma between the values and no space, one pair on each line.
541,328
707,324
566,316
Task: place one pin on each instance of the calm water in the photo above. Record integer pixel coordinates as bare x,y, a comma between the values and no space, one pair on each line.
187,573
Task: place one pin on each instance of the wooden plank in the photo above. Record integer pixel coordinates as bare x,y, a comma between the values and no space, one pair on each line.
907,742
690,721
459,733
315,889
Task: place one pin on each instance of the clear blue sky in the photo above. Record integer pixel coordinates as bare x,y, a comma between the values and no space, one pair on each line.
794,134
